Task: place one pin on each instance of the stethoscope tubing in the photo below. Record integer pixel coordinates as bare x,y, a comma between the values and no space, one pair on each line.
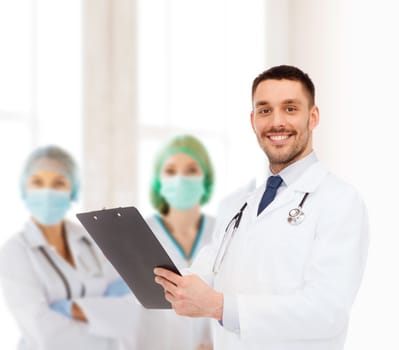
62,275
295,217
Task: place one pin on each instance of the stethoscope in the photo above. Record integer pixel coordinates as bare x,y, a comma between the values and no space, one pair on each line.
62,275
295,217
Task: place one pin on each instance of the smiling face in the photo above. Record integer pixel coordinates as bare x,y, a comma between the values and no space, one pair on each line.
283,120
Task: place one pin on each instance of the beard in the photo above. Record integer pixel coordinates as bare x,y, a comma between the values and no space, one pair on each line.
287,154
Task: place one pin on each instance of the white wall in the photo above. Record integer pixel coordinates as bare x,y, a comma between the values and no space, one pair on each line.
311,34
40,102
372,62
198,81
349,49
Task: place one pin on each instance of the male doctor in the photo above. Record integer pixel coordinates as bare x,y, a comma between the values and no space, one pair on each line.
287,258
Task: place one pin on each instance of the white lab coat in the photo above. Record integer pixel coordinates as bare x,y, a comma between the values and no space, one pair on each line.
163,329
30,283
294,285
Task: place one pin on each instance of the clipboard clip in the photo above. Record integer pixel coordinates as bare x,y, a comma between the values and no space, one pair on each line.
95,217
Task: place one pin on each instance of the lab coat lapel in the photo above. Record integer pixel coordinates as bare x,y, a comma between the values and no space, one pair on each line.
281,200
308,182
32,235
311,179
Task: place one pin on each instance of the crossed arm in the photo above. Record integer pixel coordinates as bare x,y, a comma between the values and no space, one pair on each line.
190,295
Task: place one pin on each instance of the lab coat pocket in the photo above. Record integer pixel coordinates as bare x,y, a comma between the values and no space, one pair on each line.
292,247
285,250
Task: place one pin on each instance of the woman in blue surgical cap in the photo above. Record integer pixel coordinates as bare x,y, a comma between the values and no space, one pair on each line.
182,183
57,284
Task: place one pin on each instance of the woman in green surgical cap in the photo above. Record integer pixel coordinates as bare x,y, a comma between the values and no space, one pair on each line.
182,184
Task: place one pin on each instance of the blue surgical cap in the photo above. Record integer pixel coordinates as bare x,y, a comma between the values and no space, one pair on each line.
51,158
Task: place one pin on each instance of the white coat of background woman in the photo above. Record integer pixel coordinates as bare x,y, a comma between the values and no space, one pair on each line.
182,183
57,285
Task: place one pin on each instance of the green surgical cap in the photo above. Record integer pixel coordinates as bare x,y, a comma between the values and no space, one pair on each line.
191,146
51,158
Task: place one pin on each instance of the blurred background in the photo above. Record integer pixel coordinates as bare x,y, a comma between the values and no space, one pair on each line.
110,80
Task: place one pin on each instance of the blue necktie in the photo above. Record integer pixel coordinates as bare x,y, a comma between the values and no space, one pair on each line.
273,183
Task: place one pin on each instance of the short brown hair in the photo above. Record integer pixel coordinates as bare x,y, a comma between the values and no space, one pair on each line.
289,73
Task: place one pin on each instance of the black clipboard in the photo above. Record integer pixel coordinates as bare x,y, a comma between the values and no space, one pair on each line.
132,248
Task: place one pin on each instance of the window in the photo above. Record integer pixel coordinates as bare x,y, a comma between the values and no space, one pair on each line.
197,61
39,100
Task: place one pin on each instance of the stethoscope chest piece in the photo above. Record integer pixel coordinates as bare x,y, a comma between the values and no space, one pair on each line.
295,216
